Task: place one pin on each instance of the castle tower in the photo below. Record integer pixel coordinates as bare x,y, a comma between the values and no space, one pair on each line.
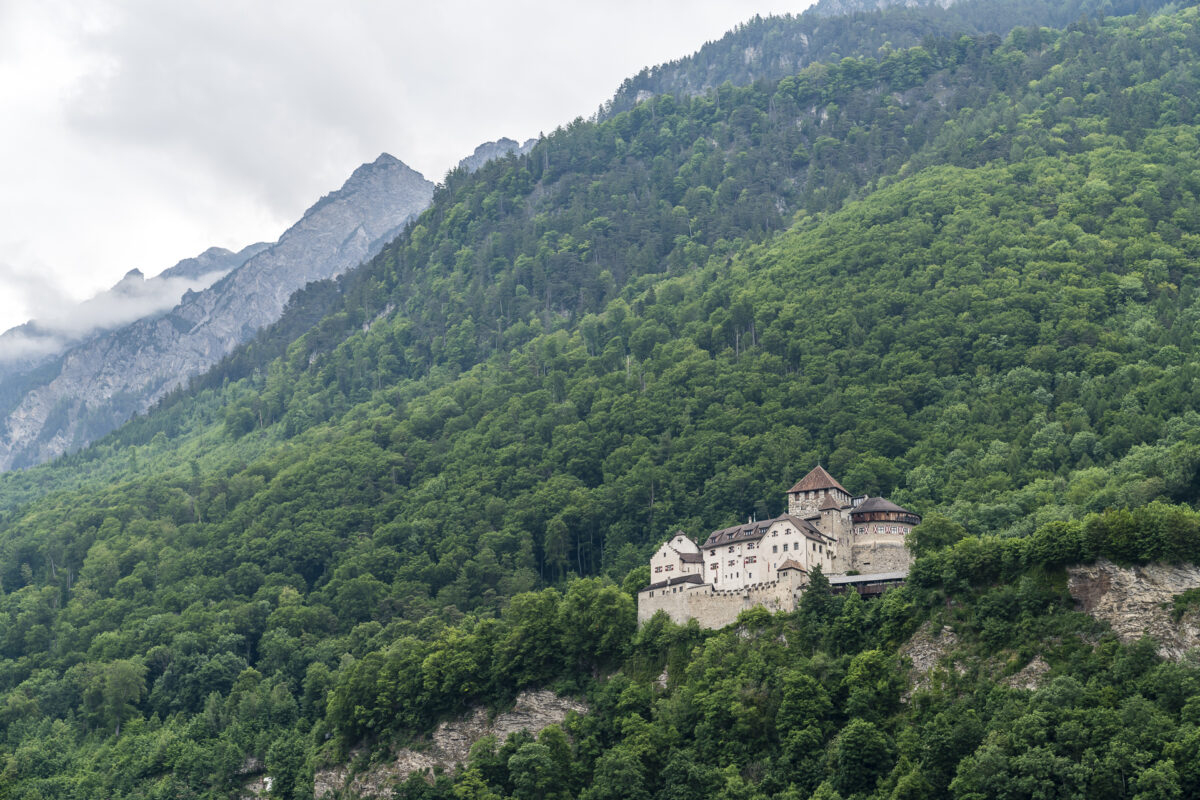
814,490
833,522
880,536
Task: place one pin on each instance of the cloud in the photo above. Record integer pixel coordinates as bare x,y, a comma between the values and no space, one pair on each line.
133,298
278,100
29,286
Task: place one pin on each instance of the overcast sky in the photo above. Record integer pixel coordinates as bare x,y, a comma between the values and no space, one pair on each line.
134,134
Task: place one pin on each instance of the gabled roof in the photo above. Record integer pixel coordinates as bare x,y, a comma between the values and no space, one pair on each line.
688,557
878,504
816,480
809,530
756,530
674,581
791,563
691,558
738,533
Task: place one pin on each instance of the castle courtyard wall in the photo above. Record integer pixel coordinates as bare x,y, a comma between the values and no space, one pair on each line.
715,608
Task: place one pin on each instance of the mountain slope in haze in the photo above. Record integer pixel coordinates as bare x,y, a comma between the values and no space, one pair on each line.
130,299
492,150
836,8
33,350
771,48
100,383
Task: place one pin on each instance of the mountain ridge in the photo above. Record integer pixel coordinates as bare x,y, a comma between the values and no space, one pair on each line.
101,383
25,346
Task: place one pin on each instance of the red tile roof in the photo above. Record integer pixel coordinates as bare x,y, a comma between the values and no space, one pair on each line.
816,480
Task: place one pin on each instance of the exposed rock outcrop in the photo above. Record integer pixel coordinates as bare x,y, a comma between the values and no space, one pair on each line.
100,383
927,649
492,150
450,745
1031,676
1136,601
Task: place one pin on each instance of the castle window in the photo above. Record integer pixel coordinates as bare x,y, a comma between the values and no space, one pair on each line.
712,565
670,567
658,569
732,561
731,548
712,552
775,548
785,544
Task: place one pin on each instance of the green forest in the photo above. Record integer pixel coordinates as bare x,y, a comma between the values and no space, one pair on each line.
961,273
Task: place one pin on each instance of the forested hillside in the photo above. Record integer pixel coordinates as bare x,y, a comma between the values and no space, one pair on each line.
962,274
771,48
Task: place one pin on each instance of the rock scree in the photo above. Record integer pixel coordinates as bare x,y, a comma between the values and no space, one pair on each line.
1136,601
449,745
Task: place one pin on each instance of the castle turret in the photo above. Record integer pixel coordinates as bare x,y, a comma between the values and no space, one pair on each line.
880,535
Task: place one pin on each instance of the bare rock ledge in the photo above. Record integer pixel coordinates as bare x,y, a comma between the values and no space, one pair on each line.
1136,601
449,746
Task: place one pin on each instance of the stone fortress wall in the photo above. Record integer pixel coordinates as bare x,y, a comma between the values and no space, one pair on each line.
716,608
880,554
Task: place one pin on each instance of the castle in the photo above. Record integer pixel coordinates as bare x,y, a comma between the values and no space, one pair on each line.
858,542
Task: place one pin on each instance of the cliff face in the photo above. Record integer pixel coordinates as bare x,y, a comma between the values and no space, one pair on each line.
450,745
1136,601
101,382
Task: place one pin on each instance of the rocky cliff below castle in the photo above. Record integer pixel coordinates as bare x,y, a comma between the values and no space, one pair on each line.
1136,602
98,384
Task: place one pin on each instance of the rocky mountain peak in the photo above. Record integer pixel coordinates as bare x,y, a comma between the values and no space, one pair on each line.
136,353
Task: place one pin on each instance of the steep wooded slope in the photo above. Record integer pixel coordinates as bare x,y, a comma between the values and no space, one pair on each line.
771,48
1006,339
